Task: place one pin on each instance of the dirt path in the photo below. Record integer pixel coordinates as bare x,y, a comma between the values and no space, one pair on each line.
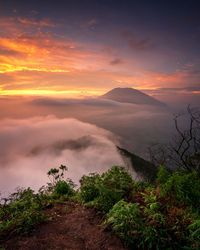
71,227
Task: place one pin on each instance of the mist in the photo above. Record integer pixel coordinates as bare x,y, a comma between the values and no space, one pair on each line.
30,147
137,127
37,134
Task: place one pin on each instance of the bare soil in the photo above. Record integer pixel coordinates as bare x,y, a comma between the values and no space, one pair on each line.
69,226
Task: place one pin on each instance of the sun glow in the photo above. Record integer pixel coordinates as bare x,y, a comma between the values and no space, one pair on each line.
53,93
6,68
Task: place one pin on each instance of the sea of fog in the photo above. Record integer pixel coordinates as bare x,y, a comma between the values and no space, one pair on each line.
39,134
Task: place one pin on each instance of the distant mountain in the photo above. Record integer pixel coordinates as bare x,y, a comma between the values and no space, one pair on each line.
130,95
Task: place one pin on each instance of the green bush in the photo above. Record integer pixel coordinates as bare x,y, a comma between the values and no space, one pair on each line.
63,188
153,224
59,185
107,198
24,209
124,220
162,175
103,191
89,187
184,186
195,233
117,178
20,212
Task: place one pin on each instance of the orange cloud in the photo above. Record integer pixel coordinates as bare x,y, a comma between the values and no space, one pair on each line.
41,52
160,77
37,51
35,62
32,21
23,46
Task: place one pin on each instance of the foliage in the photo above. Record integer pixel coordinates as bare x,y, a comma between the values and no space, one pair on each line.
59,185
162,176
89,187
62,188
141,185
151,216
107,198
20,212
124,218
103,191
117,178
24,209
57,174
195,232
151,223
160,215
161,220
184,187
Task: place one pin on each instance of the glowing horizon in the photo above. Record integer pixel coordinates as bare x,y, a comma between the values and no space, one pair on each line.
62,55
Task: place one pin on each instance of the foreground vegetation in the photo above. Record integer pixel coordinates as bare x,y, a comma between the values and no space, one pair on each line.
162,215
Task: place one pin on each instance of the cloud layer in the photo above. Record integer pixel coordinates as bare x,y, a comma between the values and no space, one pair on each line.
29,148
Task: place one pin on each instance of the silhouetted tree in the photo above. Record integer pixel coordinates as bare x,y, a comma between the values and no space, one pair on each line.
184,151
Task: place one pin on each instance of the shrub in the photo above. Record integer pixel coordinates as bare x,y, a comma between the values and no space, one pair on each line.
184,186
117,178
89,187
162,175
63,188
20,212
124,219
59,185
195,233
107,198
104,191
153,222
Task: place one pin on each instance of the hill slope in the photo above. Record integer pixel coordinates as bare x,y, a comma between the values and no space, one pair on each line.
130,95
144,170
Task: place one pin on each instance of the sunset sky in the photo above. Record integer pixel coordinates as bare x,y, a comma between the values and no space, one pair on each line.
81,48
56,59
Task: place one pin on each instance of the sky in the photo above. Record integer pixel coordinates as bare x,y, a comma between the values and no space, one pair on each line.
85,48
58,57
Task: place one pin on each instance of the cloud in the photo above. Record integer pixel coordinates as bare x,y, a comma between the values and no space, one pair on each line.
140,45
24,24
29,148
58,147
190,65
87,82
63,84
127,121
137,44
25,46
89,24
116,61
95,102
38,52
10,52
185,90
34,22
177,97
34,60
92,21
